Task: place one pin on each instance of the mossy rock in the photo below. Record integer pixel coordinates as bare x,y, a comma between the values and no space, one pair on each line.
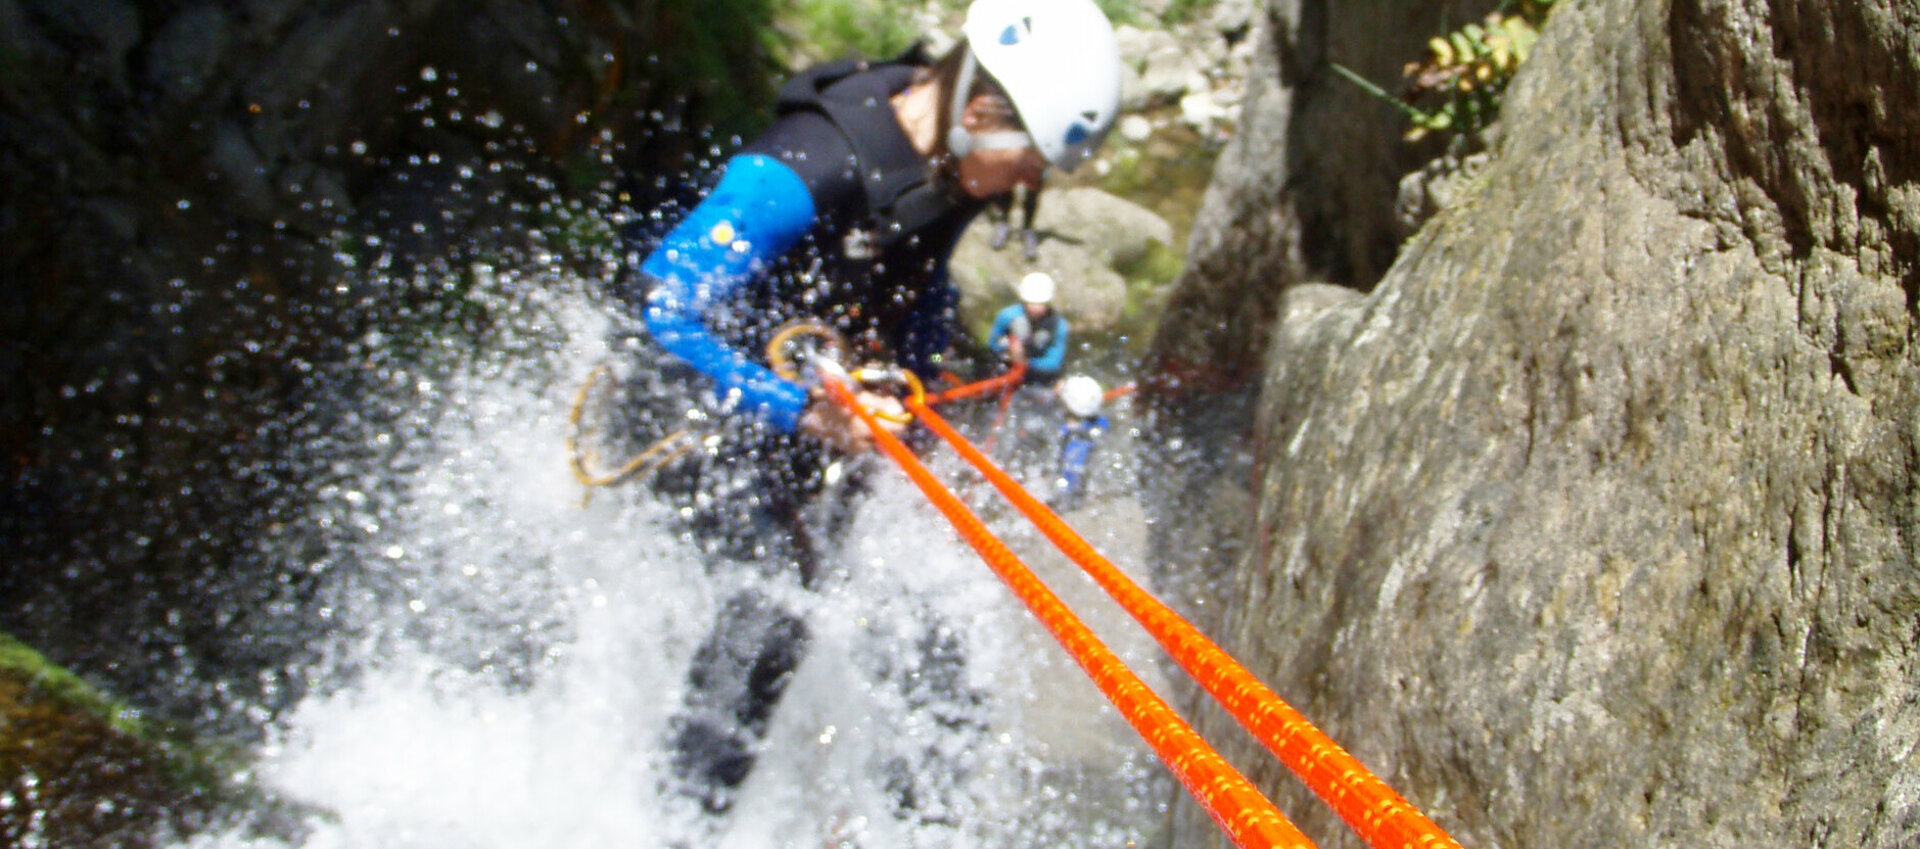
80,770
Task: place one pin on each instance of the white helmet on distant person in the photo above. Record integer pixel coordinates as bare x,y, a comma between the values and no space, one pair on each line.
1060,65
1035,288
1082,395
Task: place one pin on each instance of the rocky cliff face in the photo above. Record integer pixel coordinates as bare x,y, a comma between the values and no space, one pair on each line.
1594,523
1303,192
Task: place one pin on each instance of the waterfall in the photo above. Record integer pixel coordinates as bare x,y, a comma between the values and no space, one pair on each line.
503,658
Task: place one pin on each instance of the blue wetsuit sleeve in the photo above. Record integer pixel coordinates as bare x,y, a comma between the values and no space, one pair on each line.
997,338
1056,354
758,212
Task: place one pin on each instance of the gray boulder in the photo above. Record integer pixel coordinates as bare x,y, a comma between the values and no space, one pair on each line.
1594,523
1085,234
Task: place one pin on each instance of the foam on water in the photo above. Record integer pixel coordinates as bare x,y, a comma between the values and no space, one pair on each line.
505,659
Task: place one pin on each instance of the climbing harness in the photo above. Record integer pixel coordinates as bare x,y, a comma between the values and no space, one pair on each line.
788,355
792,348
1376,813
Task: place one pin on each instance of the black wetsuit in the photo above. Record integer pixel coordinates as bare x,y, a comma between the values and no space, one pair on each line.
863,248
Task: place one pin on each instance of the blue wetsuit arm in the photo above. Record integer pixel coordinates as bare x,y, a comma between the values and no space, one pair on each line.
1056,353
758,212
1002,321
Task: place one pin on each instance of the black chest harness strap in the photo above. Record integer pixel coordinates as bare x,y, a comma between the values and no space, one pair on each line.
855,96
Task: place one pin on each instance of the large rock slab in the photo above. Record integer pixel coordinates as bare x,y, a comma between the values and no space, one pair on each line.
1085,234
1305,189
1595,522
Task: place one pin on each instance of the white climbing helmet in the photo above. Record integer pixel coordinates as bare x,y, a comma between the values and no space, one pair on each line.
1035,288
1081,394
1060,64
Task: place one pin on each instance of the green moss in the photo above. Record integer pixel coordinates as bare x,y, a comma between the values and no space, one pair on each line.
27,666
78,768
1120,11
1148,277
1168,175
1156,267
719,54
1183,11
817,30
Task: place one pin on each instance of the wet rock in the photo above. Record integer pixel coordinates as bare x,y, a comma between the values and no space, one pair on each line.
1085,233
1593,522
177,175
231,155
72,773
186,54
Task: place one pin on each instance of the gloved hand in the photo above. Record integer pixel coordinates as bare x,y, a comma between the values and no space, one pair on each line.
843,431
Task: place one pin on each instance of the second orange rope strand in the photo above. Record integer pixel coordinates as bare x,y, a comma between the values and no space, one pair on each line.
1372,809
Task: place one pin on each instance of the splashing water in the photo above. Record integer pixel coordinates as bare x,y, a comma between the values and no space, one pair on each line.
504,660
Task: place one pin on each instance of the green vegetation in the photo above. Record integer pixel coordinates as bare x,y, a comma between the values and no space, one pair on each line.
1148,277
76,766
1168,176
1120,11
1184,11
818,30
1155,267
1457,87
711,61
27,666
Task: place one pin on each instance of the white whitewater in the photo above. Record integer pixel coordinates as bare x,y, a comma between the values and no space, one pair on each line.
505,658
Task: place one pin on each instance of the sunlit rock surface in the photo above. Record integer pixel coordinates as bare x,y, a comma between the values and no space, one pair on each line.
1594,523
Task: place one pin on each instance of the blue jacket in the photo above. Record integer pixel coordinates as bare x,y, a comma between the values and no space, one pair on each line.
830,215
1077,438
1052,336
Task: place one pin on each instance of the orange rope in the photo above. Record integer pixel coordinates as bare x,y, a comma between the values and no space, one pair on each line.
985,387
1249,819
1372,809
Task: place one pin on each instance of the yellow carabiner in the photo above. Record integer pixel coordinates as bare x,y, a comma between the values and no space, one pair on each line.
781,360
869,376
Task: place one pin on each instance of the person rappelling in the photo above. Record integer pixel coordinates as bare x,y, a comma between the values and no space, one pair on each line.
1032,333
1080,431
844,213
